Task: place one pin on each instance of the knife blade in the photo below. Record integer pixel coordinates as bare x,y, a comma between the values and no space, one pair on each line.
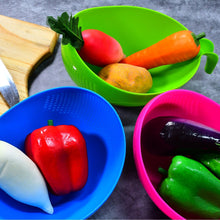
7,86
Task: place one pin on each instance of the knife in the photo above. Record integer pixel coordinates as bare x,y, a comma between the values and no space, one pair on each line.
7,86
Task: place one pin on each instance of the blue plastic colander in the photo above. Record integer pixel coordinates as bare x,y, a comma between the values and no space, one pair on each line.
104,135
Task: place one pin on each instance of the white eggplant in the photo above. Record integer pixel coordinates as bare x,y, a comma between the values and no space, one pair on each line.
21,179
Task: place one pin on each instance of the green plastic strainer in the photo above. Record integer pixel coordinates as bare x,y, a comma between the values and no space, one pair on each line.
135,28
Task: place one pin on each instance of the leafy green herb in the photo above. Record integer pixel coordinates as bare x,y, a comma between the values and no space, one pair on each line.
68,27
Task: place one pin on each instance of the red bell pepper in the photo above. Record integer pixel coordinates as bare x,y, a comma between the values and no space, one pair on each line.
61,155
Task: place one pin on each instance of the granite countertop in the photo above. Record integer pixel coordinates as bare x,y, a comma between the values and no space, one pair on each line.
129,199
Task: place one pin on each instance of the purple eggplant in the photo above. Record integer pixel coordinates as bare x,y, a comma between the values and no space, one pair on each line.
170,136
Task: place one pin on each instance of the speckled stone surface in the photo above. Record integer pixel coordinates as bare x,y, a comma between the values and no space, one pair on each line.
129,199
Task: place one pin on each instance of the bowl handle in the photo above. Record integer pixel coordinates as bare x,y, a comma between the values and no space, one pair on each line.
211,61
207,48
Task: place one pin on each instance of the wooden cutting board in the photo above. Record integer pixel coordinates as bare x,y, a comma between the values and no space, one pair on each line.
23,45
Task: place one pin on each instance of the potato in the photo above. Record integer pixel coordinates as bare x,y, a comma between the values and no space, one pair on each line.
128,77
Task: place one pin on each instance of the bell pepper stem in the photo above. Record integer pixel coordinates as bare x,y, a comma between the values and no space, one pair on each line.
163,171
50,122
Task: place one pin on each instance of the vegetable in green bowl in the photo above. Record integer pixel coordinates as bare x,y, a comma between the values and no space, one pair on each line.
135,28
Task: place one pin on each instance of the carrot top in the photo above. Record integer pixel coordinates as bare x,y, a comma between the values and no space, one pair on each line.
198,37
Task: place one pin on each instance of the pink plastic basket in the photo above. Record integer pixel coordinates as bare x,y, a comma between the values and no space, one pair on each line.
175,103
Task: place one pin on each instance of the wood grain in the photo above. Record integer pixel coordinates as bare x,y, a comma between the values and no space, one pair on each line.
23,45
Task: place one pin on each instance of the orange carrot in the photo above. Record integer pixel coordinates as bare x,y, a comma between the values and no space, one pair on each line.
177,47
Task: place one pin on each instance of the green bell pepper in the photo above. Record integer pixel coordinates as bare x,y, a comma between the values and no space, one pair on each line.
191,189
211,161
